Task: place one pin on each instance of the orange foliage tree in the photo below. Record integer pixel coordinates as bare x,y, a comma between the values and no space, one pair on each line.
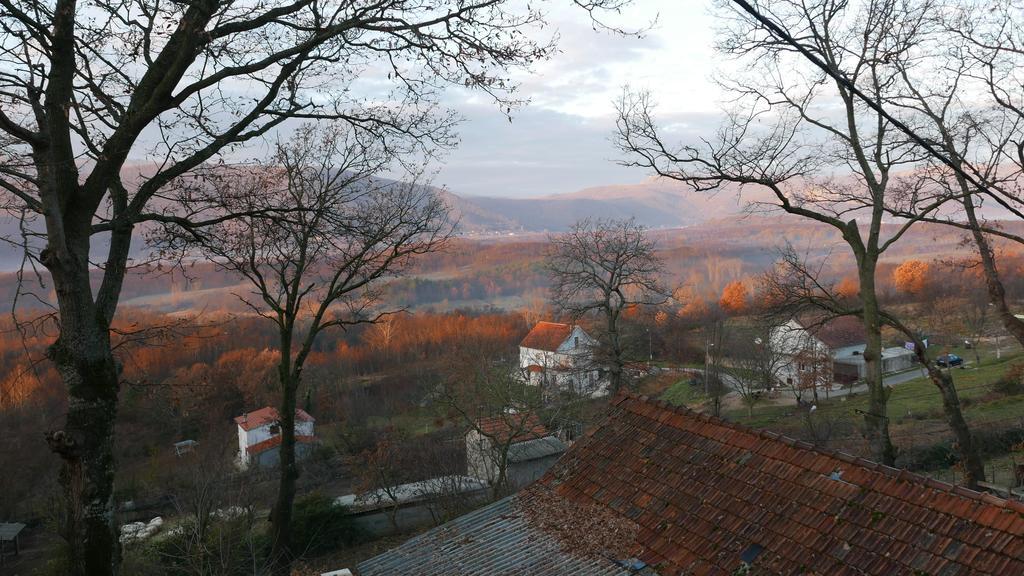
848,287
734,297
911,277
17,386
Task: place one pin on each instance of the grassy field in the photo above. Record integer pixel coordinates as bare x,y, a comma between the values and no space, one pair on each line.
683,393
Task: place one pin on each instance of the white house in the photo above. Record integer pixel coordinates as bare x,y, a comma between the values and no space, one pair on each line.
830,351
561,355
259,436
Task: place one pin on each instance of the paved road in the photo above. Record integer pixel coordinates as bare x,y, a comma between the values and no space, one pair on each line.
890,380
907,376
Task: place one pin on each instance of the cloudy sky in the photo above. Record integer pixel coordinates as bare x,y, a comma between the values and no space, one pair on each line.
561,142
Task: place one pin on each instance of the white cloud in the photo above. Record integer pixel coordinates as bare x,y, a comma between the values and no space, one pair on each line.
562,141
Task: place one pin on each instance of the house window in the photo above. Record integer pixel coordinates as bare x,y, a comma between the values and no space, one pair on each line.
275,429
576,342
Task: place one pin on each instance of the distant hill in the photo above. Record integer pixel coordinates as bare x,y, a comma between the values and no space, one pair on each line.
655,203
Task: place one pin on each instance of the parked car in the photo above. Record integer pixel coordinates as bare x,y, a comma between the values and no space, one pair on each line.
949,360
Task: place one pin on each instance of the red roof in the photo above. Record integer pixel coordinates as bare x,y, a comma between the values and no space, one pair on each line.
275,441
547,336
707,495
523,426
836,332
268,415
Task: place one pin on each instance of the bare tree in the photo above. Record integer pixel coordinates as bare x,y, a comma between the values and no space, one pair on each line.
86,85
795,284
967,47
499,407
754,366
604,267
382,333
783,139
813,371
976,320
327,231
980,145
384,467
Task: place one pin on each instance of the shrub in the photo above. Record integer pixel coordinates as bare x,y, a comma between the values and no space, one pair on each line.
228,547
1011,383
320,525
991,443
934,457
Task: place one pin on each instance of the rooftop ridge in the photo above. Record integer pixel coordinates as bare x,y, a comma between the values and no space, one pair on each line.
888,471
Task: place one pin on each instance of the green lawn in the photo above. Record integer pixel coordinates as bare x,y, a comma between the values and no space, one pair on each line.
682,393
413,423
916,399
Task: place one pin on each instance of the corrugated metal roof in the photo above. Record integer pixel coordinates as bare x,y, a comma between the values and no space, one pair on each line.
495,540
536,448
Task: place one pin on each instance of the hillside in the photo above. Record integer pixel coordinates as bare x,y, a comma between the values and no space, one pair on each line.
655,203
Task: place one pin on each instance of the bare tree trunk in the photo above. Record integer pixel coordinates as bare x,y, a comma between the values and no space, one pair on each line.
502,479
974,468
83,357
281,515
614,341
876,419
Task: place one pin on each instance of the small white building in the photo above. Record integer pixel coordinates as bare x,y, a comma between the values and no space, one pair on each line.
259,436
562,355
531,449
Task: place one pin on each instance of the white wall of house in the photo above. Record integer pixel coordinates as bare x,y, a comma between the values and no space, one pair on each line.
259,434
480,457
791,340
243,442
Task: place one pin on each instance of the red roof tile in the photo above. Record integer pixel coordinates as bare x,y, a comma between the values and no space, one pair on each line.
836,332
275,441
703,492
268,415
523,426
547,336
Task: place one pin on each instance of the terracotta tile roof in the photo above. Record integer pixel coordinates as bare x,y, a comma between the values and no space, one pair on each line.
524,426
707,494
276,441
836,332
547,336
268,415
